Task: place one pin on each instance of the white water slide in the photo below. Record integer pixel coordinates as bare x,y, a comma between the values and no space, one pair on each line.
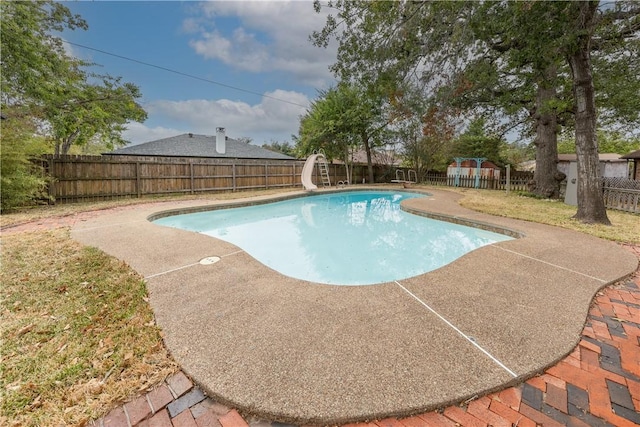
307,171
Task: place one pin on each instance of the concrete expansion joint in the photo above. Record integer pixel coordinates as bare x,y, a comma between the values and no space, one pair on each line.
549,263
206,261
151,276
468,338
232,253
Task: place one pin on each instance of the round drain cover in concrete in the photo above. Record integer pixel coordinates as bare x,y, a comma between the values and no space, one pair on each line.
209,260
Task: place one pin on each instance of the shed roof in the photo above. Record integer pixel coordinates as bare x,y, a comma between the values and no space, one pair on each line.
470,163
604,157
632,155
192,145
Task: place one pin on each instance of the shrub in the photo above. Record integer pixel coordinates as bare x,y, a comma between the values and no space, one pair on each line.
22,181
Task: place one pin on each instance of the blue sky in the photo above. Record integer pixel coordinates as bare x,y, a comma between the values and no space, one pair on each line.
258,46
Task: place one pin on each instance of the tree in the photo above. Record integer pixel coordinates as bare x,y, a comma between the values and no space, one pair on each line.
342,118
451,50
475,142
509,79
281,147
82,111
42,80
32,57
489,55
592,208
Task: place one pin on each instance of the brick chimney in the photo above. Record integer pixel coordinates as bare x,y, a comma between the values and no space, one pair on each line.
221,143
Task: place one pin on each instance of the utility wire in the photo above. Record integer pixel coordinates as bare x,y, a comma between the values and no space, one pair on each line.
184,74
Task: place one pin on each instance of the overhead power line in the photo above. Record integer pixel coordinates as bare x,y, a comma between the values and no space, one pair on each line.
191,76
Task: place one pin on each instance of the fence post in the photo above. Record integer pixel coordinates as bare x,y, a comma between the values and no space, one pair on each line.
233,173
266,176
52,180
138,186
508,178
192,179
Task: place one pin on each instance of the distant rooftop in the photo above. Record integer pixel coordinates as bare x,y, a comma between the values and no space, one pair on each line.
192,145
632,155
603,157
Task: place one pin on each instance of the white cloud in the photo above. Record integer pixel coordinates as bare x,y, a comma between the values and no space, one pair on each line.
242,50
273,36
138,133
270,119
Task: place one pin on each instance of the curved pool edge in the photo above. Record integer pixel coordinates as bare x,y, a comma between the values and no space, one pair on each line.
245,203
482,225
552,260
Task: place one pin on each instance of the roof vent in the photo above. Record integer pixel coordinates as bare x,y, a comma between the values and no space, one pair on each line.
190,135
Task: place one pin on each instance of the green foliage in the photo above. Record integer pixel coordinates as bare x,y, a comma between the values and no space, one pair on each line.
515,153
484,57
475,142
81,111
281,147
608,142
344,118
341,118
517,63
21,180
43,81
32,58
426,132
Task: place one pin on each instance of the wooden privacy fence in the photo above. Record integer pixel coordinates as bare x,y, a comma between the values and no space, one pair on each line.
621,194
91,178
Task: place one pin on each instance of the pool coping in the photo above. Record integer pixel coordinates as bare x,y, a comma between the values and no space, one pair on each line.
192,348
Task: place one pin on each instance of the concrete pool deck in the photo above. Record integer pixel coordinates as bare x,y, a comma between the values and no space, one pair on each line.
299,352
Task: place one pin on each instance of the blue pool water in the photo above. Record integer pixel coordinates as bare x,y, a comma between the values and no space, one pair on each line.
350,238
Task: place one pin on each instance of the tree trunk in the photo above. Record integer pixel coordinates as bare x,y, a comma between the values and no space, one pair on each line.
546,175
68,142
367,148
591,208
346,164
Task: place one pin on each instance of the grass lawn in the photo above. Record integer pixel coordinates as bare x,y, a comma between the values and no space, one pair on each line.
625,227
78,335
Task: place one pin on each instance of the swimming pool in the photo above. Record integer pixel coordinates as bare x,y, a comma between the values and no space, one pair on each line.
346,238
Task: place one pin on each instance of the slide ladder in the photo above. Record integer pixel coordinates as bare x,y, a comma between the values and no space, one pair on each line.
324,170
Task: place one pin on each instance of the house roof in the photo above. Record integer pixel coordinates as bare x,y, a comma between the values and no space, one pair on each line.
470,163
604,157
192,145
632,155
381,157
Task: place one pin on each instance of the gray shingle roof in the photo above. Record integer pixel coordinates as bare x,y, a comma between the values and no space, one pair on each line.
192,145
